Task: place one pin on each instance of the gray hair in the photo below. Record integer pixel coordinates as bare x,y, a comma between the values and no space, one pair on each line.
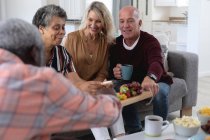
22,39
44,15
103,13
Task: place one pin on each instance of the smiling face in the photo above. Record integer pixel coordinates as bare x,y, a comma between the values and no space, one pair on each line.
129,24
93,23
53,34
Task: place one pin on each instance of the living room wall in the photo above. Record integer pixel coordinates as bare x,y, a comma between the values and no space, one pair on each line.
199,32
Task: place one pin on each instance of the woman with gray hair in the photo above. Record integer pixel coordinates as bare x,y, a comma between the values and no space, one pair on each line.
89,47
51,20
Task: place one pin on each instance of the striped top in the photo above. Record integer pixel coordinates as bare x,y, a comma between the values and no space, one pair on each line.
61,60
39,101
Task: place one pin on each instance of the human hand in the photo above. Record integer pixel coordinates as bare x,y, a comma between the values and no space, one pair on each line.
150,85
107,84
117,71
90,86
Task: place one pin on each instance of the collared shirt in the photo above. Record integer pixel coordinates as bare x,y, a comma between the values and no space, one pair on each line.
36,101
61,60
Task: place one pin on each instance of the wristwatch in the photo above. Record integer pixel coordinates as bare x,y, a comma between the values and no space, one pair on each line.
152,76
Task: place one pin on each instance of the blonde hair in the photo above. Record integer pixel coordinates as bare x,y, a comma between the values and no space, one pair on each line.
103,13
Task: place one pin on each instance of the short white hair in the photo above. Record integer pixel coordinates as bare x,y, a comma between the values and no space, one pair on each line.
23,39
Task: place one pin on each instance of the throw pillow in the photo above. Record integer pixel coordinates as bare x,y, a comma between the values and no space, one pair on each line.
164,54
164,41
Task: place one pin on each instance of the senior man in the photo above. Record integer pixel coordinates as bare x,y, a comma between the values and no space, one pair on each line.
37,100
142,50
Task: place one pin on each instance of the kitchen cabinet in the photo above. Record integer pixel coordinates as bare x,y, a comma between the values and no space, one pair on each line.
168,30
74,8
165,2
145,8
147,26
171,3
175,33
162,28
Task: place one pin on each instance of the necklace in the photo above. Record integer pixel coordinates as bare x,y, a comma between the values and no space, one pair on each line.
91,47
91,43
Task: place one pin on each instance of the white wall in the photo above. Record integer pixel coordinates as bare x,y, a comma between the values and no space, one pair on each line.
204,44
199,32
24,9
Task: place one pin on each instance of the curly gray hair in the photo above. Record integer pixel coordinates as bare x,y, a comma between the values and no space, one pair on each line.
44,15
23,39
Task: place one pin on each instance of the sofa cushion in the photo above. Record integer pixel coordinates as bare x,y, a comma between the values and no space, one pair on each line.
178,89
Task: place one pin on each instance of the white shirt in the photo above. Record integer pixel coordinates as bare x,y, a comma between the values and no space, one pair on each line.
132,46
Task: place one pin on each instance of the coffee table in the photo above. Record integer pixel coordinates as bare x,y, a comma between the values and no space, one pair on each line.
167,134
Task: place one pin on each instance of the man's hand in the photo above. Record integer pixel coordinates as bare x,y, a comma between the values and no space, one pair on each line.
150,85
117,71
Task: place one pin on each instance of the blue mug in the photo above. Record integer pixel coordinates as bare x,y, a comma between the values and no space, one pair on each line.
127,71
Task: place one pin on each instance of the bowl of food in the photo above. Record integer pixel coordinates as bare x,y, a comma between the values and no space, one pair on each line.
206,127
203,115
186,126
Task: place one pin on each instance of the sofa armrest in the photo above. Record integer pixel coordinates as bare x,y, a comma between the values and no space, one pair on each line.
184,65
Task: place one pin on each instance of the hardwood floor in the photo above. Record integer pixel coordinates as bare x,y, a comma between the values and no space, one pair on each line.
203,98
203,92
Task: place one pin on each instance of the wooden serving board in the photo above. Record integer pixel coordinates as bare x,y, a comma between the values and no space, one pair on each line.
144,95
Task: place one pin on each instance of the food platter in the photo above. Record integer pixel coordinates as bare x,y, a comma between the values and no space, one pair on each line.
144,95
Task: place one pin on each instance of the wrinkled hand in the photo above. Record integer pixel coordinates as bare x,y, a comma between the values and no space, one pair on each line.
150,85
117,71
90,86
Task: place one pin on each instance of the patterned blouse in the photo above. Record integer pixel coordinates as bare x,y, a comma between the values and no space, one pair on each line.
61,60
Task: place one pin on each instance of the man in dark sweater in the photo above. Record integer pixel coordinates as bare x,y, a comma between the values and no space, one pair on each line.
143,51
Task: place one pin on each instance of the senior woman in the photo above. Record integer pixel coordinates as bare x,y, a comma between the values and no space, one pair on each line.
89,45
89,48
51,20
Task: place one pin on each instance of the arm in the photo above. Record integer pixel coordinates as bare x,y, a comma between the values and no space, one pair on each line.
70,109
88,86
155,67
184,65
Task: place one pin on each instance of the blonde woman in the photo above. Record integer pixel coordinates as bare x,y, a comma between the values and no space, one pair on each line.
89,47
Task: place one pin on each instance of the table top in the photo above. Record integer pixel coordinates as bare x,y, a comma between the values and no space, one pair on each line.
144,95
167,134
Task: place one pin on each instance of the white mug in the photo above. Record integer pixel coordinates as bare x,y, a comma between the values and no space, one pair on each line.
154,125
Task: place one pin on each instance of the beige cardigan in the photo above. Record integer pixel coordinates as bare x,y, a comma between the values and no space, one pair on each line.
95,68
